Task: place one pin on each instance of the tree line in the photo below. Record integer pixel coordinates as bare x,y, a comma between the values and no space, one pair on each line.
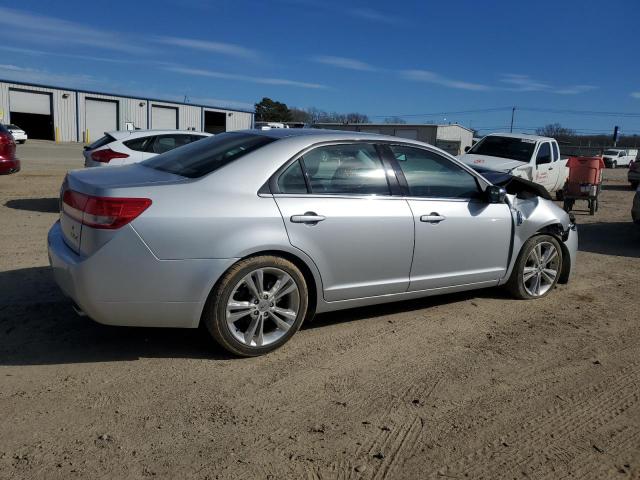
268,110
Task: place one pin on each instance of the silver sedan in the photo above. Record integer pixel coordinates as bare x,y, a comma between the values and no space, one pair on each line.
251,233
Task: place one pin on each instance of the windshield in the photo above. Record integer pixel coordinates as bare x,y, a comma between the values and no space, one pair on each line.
505,147
199,158
11,126
611,152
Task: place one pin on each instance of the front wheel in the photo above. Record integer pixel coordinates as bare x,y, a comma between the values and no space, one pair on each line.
614,164
257,306
537,268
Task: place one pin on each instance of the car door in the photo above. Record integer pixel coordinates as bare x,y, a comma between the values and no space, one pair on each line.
460,238
337,207
546,171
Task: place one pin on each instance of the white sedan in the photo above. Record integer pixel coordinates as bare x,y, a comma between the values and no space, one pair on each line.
133,146
19,135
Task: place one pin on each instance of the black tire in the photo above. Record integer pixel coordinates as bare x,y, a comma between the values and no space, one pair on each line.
515,285
593,206
214,315
22,142
559,195
634,185
614,164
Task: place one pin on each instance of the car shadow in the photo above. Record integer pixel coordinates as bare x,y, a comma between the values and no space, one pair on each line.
43,205
39,327
620,239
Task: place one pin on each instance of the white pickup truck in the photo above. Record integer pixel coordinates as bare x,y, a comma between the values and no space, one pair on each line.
527,156
616,157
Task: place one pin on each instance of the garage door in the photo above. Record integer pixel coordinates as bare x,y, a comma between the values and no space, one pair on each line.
30,102
164,118
31,111
101,116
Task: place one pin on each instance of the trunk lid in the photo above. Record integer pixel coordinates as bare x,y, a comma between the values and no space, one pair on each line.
116,182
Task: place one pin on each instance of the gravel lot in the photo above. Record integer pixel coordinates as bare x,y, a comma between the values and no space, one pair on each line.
469,385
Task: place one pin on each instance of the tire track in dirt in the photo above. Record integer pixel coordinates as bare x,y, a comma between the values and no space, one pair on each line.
588,410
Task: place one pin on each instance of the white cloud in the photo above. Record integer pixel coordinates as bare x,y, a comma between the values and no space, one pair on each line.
217,47
524,83
93,58
342,62
635,94
31,28
242,78
23,74
374,16
432,77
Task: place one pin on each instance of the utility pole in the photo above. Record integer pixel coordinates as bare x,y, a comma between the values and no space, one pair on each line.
513,112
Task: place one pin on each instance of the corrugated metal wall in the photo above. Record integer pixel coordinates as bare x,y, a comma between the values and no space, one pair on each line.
64,109
69,114
239,121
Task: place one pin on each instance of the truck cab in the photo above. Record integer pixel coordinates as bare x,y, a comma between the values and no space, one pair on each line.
531,157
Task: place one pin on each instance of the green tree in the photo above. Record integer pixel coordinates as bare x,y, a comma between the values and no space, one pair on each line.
271,111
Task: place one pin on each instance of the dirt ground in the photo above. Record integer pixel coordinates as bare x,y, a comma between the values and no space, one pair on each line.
472,385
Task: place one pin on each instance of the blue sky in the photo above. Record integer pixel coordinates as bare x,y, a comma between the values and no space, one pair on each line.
377,57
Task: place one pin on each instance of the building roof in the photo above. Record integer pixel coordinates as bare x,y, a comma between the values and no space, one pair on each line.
135,97
376,125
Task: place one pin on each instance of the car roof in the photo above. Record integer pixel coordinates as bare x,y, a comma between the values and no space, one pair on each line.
321,134
519,135
122,134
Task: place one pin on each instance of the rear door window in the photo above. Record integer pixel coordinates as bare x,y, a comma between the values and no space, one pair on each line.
139,144
345,169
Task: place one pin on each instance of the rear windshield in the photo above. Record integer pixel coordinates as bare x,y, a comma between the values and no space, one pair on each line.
101,142
204,156
505,147
611,152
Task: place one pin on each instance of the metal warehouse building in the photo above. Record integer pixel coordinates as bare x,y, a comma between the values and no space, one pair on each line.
71,115
452,138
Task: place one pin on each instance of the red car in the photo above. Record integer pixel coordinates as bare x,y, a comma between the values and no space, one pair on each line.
8,161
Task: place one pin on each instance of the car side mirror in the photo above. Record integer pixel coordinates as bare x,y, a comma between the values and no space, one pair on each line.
467,148
495,194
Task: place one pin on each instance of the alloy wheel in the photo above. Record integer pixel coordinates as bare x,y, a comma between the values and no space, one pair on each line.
263,306
541,269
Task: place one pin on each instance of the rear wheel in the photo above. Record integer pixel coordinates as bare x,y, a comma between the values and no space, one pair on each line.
537,269
257,306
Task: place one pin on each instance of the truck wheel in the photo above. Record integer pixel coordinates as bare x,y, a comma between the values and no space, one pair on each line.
257,306
537,268
559,195
593,206
568,205
614,164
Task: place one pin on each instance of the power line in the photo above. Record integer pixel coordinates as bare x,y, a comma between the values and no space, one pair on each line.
435,114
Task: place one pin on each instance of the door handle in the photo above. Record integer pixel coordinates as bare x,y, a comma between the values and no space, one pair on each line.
310,218
433,217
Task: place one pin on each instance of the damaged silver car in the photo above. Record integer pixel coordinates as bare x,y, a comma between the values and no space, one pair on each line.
250,233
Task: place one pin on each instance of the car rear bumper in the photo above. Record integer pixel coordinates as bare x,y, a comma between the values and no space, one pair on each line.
123,283
9,166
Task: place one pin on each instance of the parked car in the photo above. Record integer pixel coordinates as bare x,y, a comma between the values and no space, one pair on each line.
635,209
9,163
633,175
531,157
253,232
19,135
616,157
132,146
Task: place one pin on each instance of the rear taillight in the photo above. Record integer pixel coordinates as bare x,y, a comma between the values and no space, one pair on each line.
106,155
102,212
